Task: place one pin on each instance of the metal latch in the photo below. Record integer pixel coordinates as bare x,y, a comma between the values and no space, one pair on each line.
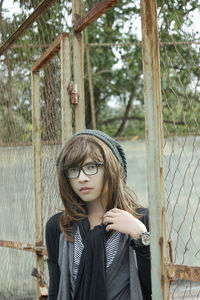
42,285
72,91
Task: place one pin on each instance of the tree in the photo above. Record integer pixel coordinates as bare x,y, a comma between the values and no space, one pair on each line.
116,71
15,118
179,69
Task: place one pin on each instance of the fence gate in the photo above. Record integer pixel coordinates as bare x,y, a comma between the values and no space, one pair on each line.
61,44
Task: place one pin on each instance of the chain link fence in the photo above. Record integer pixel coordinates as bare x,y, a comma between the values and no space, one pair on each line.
17,192
181,106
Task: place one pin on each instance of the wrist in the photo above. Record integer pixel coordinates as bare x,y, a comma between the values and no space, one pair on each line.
143,240
135,233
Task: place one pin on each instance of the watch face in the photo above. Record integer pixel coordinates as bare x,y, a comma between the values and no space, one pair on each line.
145,239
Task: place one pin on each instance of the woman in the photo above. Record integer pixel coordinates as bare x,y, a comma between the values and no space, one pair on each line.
98,248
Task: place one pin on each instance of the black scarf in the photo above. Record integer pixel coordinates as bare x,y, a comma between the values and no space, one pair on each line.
90,282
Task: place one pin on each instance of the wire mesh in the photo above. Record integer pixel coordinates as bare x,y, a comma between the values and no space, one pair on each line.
89,4
51,133
17,216
179,52
180,94
16,280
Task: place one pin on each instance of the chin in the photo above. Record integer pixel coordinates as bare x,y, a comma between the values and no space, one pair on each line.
88,199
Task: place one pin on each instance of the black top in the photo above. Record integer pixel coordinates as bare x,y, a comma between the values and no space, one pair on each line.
52,241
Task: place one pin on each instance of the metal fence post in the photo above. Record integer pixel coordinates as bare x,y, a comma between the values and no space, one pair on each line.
78,64
65,96
154,145
89,71
36,139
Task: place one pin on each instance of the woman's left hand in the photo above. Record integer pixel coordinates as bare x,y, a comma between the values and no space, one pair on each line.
122,221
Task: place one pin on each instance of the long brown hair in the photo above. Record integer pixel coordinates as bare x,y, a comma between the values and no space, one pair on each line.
76,151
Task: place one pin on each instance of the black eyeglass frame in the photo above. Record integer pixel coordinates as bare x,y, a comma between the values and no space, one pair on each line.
81,168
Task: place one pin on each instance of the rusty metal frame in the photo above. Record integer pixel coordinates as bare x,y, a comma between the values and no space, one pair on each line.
61,43
93,14
183,272
48,54
41,9
78,67
66,111
174,271
91,90
36,139
163,272
154,146
24,247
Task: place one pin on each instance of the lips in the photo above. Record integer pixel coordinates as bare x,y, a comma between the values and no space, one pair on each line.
85,189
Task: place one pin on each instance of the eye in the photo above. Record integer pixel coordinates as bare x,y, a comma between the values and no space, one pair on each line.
72,171
91,167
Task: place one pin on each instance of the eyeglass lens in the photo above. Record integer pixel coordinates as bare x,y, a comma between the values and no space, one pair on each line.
88,169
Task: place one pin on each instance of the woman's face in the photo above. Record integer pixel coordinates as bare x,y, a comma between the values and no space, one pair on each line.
89,187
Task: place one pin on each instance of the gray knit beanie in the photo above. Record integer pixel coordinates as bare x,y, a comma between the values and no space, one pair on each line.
110,142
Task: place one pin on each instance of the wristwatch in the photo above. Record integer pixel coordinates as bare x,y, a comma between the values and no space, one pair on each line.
144,240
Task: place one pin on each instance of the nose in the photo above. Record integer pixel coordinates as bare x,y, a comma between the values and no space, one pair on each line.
82,177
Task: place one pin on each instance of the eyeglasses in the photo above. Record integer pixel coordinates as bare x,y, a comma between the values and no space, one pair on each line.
88,169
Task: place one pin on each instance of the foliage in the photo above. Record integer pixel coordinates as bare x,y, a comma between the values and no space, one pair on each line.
116,71
179,69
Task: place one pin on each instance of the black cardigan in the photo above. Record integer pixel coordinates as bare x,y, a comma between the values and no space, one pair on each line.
52,241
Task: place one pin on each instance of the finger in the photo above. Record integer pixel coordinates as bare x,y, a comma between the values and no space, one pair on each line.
115,210
108,214
110,227
107,220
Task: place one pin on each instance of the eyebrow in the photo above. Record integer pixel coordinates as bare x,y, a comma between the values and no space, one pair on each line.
88,163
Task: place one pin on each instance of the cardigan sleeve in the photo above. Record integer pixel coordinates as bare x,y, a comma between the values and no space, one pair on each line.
52,235
143,259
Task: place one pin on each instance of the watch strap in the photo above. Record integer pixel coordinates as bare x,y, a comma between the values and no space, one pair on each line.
140,242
